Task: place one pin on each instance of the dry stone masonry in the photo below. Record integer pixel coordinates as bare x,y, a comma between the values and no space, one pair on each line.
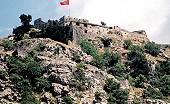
82,28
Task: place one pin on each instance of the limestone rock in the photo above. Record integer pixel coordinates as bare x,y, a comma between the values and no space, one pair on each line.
59,90
155,101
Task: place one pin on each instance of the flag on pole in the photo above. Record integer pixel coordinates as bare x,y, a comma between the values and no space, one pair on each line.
64,2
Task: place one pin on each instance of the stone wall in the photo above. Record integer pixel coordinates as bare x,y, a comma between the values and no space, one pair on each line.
81,28
91,31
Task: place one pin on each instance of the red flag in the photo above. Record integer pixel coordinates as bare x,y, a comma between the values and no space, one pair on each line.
64,2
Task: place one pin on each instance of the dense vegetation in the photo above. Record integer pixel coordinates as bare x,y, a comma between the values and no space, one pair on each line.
152,48
116,95
20,70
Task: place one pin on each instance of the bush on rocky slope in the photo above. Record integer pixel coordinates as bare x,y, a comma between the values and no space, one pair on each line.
26,74
127,44
152,48
115,93
7,44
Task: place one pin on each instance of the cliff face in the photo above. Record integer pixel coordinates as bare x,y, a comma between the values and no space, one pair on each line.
101,70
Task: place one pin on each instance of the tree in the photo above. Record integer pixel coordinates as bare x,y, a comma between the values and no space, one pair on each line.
103,23
24,28
25,19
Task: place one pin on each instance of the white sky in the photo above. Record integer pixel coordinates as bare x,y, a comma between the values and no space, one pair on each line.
153,16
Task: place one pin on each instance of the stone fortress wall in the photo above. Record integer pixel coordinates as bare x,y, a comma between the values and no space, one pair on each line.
81,28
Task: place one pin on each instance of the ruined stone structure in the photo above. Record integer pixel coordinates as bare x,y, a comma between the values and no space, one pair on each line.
81,28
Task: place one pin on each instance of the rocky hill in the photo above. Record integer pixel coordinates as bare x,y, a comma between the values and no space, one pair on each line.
36,67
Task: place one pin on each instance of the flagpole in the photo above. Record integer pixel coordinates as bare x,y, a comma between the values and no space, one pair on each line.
69,8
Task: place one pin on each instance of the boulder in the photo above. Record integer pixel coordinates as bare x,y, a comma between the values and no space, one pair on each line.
46,97
59,90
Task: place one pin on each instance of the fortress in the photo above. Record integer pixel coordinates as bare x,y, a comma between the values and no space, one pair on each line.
81,28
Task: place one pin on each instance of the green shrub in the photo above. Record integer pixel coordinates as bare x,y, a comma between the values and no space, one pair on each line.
29,98
98,62
139,80
110,59
57,50
136,48
41,84
7,44
15,78
106,57
40,47
81,66
98,96
67,100
115,58
3,74
163,68
165,85
20,83
24,85
76,57
152,48
111,85
138,63
25,73
118,70
127,44
106,42
152,93
89,48
116,95
27,67
80,81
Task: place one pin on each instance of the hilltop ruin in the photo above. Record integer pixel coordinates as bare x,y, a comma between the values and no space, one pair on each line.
82,28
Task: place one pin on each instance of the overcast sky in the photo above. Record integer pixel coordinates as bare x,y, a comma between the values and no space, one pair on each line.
150,15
